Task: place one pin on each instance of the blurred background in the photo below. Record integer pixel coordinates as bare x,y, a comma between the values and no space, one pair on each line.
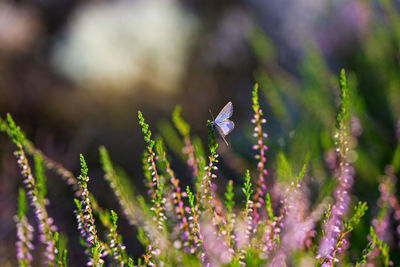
74,73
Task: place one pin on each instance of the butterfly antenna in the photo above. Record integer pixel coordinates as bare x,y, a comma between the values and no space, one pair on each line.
211,114
225,140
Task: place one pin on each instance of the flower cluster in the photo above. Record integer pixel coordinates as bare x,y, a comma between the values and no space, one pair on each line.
207,189
176,191
36,199
248,213
117,248
194,225
334,238
198,228
24,232
86,223
258,120
157,185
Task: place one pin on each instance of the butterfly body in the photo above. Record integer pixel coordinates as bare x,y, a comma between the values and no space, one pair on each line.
222,122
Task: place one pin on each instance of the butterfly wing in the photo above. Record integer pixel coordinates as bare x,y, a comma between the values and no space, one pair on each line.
225,113
225,127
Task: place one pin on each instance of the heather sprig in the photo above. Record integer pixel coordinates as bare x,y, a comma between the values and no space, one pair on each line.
25,232
104,217
207,190
327,216
31,150
147,173
344,176
149,148
157,186
194,225
365,253
122,189
149,251
61,256
40,177
382,247
182,126
247,188
261,149
86,222
176,191
230,215
45,223
16,134
343,114
268,207
385,202
229,202
248,210
340,242
200,161
115,242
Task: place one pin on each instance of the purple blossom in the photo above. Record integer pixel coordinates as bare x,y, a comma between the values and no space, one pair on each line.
45,223
24,244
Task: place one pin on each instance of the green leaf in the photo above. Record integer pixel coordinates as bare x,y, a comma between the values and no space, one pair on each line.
22,206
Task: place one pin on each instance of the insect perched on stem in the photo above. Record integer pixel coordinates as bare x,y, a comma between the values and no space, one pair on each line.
222,122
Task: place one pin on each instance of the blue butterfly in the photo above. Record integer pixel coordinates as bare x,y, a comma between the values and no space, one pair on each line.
222,122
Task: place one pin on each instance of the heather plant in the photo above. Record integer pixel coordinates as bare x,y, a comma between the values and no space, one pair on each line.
247,224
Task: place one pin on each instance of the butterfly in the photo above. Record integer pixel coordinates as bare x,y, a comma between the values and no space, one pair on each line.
222,122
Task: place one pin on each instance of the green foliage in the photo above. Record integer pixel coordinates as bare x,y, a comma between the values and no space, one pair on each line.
122,187
190,197
200,160
261,44
61,255
4,127
16,134
83,177
101,213
180,124
300,176
273,97
254,98
396,159
268,207
86,220
316,83
383,248
359,212
22,205
146,132
172,139
247,186
229,203
78,205
212,145
147,169
327,215
284,170
114,218
163,242
365,253
142,237
106,161
344,101
40,176
162,162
